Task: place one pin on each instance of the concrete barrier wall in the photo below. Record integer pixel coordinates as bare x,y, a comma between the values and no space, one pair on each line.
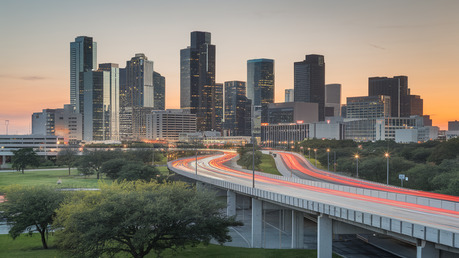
434,235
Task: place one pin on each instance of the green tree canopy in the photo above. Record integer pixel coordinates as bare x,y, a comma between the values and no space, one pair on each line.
139,217
67,157
138,171
31,209
25,157
247,159
112,168
91,162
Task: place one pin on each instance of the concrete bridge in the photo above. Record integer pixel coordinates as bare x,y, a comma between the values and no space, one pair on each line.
430,224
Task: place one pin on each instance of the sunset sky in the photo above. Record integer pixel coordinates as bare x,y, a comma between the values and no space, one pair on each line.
359,39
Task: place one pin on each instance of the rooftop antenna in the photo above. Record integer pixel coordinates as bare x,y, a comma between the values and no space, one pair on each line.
7,122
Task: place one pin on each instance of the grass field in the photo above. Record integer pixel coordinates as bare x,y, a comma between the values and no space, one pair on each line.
268,165
50,177
30,246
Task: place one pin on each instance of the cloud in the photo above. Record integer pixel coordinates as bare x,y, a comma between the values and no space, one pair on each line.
376,46
32,78
26,78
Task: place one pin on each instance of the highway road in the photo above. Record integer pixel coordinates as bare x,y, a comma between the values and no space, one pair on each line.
297,163
214,166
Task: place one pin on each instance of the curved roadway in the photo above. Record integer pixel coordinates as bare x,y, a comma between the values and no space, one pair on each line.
213,166
304,169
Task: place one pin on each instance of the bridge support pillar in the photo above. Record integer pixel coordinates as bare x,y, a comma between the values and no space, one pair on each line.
324,236
230,203
297,230
257,223
288,215
426,249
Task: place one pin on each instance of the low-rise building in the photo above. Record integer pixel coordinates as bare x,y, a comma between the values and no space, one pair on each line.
275,135
62,122
169,124
43,145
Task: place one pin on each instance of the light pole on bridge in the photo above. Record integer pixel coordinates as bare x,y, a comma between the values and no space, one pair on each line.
315,155
357,164
387,157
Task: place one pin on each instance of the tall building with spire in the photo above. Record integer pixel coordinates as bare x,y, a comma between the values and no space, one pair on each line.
197,79
83,58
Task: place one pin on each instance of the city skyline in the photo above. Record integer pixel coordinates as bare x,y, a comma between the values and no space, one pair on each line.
359,39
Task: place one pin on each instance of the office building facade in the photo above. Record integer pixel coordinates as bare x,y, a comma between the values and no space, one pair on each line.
368,107
236,104
114,95
197,78
333,98
283,135
396,88
260,90
453,125
169,124
309,82
133,122
138,88
83,58
289,95
95,105
293,112
159,88
63,122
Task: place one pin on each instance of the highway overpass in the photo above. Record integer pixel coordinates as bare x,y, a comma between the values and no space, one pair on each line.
346,206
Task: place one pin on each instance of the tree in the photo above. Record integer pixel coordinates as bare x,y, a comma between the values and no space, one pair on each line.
112,168
23,158
91,162
247,158
138,171
140,217
67,157
31,209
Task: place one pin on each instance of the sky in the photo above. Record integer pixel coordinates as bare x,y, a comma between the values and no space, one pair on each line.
359,39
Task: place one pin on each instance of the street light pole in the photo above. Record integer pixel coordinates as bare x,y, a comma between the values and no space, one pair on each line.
196,156
153,154
315,155
387,157
328,159
334,161
253,146
309,153
357,163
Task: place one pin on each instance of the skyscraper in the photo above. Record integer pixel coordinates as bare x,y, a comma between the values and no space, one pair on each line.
309,82
83,58
159,85
114,91
236,109
260,89
138,89
396,88
95,105
333,98
197,78
217,107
